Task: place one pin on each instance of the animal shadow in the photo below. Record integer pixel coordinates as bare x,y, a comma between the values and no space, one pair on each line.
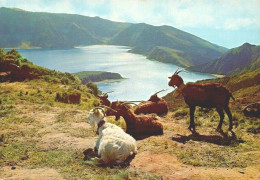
222,139
90,153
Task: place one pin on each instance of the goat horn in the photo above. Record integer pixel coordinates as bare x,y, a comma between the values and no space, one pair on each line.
108,92
135,101
108,108
128,102
101,110
176,72
160,91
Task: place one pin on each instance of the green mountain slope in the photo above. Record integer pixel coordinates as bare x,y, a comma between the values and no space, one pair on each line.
167,44
25,29
49,30
236,61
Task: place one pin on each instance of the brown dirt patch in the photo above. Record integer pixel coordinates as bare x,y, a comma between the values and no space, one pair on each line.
169,167
65,141
32,174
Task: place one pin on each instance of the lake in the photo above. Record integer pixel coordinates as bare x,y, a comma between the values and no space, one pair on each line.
144,77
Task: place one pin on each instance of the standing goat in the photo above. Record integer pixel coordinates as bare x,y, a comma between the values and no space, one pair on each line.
211,95
113,145
153,105
137,124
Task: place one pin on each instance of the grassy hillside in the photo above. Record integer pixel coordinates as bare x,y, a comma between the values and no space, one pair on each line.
167,44
42,137
49,30
97,76
25,29
20,69
238,60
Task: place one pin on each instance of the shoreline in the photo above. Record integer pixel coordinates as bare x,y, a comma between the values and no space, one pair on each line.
109,81
218,75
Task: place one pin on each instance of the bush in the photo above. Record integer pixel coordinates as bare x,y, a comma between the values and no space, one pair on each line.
93,88
69,97
181,112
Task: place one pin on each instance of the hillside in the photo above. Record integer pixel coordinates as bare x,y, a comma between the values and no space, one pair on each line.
44,133
14,67
50,30
97,76
41,138
167,44
238,60
19,28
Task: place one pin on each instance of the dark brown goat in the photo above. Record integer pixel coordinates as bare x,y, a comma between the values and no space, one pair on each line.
153,105
211,95
104,99
137,124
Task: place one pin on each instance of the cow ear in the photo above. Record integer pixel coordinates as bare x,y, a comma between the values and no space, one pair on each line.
169,77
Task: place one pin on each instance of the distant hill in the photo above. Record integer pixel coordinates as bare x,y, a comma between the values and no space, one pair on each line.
167,44
238,60
19,28
97,76
51,30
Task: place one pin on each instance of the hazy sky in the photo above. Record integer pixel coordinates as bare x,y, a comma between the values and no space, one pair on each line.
228,23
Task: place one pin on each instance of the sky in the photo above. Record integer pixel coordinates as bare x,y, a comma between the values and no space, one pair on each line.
228,23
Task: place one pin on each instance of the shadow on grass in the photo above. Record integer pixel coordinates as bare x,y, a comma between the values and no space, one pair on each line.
222,139
92,158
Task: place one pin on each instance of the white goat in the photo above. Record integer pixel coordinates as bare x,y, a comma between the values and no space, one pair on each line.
114,146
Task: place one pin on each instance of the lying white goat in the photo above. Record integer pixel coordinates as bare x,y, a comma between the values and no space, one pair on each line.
113,145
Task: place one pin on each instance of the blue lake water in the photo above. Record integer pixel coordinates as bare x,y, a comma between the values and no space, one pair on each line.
144,77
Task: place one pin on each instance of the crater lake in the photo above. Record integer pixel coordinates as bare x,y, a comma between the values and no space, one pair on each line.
143,77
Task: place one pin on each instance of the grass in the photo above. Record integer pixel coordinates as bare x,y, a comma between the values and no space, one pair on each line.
29,113
27,108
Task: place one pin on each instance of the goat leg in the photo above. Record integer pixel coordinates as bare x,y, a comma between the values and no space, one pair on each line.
221,115
192,124
229,117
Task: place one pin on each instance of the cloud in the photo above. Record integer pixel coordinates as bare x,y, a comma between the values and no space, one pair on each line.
217,14
235,24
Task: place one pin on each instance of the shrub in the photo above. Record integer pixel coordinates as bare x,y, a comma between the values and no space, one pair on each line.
181,112
93,88
72,97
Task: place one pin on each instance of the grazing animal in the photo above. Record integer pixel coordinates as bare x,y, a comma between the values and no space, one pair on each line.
137,124
114,146
153,105
211,95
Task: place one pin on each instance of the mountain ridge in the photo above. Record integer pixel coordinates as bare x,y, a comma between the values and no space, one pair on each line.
56,30
239,60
